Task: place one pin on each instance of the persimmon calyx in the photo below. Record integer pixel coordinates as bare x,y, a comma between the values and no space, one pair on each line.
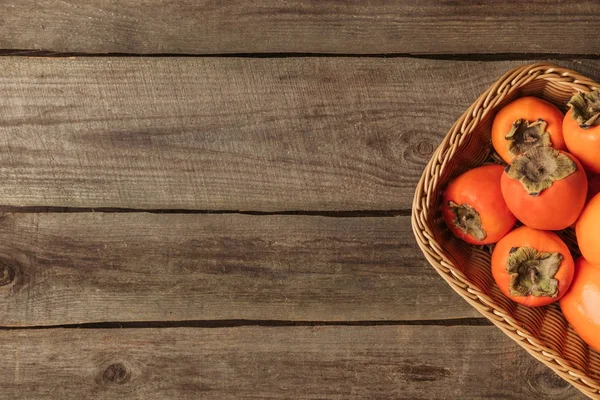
532,272
537,169
525,135
586,109
467,219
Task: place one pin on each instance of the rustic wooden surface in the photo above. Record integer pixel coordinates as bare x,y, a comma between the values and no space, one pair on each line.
229,133
238,227
100,267
305,26
332,362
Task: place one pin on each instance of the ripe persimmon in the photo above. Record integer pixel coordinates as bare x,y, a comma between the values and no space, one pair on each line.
532,267
581,128
587,230
525,123
580,304
545,188
593,189
474,209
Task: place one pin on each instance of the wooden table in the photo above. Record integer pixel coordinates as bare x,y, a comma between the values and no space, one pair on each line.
207,199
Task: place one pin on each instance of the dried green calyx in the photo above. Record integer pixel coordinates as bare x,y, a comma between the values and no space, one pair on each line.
524,136
538,168
586,109
467,219
532,272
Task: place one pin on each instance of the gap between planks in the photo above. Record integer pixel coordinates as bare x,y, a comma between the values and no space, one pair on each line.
233,323
315,213
449,57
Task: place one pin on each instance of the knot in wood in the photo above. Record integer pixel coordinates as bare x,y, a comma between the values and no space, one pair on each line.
7,274
116,374
425,148
545,382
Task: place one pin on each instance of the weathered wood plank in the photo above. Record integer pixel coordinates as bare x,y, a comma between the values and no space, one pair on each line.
264,134
228,133
386,362
321,26
95,267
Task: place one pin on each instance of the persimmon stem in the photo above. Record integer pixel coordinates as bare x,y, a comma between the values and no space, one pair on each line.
532,272
467,219
526,135
585,109
538,168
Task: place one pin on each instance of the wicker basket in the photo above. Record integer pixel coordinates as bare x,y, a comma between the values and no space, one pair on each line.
542,331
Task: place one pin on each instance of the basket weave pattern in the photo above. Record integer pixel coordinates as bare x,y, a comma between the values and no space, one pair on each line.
542,331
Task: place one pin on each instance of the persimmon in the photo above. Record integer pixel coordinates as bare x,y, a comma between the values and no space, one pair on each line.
545,188
581,129
587,230
532,267
474,209
593,189
581,304
525,123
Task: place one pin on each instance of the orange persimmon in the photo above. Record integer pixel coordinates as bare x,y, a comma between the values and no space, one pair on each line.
545,188
473,207
593,189
532,267
525,123
587,230
581,304
581,129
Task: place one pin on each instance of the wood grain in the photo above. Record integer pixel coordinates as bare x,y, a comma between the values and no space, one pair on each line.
390,362
93,267
305,26
228,133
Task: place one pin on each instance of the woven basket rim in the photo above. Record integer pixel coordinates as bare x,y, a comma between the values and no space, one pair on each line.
461,129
